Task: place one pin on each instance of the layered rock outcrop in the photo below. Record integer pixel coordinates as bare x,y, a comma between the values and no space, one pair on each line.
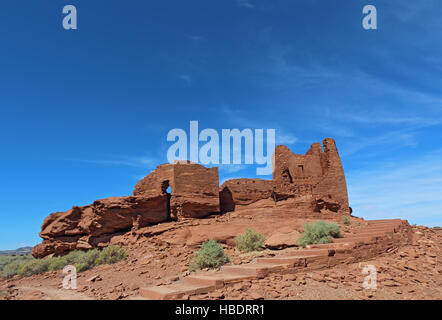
312,182
87,227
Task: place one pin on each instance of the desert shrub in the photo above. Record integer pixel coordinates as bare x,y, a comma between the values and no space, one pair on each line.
211,255
89,258
80,267
36,266
57,263
346,220
318,233
82,260
75,256
7,260
111,254
249,241
11,269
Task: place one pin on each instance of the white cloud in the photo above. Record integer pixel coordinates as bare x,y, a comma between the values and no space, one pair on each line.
229,178
140,162
377,118
285,137
392,139
410,189
245,4
195,38
231,168
186,78
409,10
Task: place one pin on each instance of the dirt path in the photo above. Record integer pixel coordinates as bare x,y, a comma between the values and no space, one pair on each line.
48,293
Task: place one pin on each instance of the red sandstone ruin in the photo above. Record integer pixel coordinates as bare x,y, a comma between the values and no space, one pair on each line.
313,182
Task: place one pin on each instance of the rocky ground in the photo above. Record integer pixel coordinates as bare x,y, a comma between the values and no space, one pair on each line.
411,272
161,254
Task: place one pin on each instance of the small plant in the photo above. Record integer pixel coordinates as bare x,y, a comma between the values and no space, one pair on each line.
346,221
33,267
111,254
319,233
87,260
57,263
211,255
249,241
11,269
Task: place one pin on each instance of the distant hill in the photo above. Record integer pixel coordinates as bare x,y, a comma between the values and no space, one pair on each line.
19,251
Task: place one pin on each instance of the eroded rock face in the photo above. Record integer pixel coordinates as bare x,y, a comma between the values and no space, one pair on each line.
88,226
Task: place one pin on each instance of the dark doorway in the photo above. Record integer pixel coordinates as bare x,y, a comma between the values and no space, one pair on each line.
166,189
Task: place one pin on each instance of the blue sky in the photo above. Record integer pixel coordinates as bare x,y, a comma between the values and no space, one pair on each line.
85,113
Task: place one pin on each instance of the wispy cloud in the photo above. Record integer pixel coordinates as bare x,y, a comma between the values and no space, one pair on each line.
410,10
283,137
229,178
392,140
186,78
378,119
409,189
138,162
387,129
330,129
246,120
231,168
245,4
195,38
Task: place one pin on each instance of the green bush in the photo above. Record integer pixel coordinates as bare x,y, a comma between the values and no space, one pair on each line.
82,260
89,258
8,260
318,233
80,267
33,267
57,263
211,255
11,269
73,257
249,241
346,220
111,254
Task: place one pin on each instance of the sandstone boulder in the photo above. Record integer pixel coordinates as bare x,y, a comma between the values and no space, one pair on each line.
282,238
